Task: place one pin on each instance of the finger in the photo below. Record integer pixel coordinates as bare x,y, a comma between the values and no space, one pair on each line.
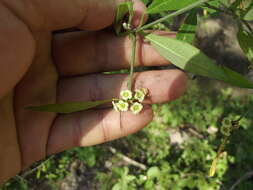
15,57
163,86
61,14
139,10
85,52
94,127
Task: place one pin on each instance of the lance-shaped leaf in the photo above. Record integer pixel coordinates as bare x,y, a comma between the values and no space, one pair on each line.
245,40
191,59
247,12
168,5
122,10
249,15
187,30
68,107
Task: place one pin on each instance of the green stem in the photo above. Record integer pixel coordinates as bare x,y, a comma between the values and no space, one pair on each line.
222,147
176,13
132,63
142,19
131,14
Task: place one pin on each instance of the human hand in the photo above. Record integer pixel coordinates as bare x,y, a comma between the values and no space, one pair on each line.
40,68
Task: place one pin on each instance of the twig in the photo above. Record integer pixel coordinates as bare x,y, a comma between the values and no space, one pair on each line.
247,175
18,177
243,115
192,130
176,13
36,168
196,133
127,159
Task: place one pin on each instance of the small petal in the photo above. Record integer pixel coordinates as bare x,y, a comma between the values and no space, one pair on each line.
122,105
126,94
144,90
140,94
136,108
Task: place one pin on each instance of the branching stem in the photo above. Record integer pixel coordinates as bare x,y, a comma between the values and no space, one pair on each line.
176,13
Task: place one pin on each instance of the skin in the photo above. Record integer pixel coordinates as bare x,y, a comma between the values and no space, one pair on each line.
40,68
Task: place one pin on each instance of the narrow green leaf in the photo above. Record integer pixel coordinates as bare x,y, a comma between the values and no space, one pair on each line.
215,3
187,30
122,10
145,1
191,59
245,40
168,5
68,107
249,15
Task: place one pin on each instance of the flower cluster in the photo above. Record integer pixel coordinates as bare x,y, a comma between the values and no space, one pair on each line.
130,101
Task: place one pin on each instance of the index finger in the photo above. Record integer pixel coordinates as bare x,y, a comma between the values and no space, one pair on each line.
61,14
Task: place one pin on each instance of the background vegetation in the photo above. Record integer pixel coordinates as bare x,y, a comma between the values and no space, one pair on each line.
174,152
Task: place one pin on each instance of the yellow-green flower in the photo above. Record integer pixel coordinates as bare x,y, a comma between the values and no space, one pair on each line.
226,130
122,105
136,108
126,94
226,127
140,94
